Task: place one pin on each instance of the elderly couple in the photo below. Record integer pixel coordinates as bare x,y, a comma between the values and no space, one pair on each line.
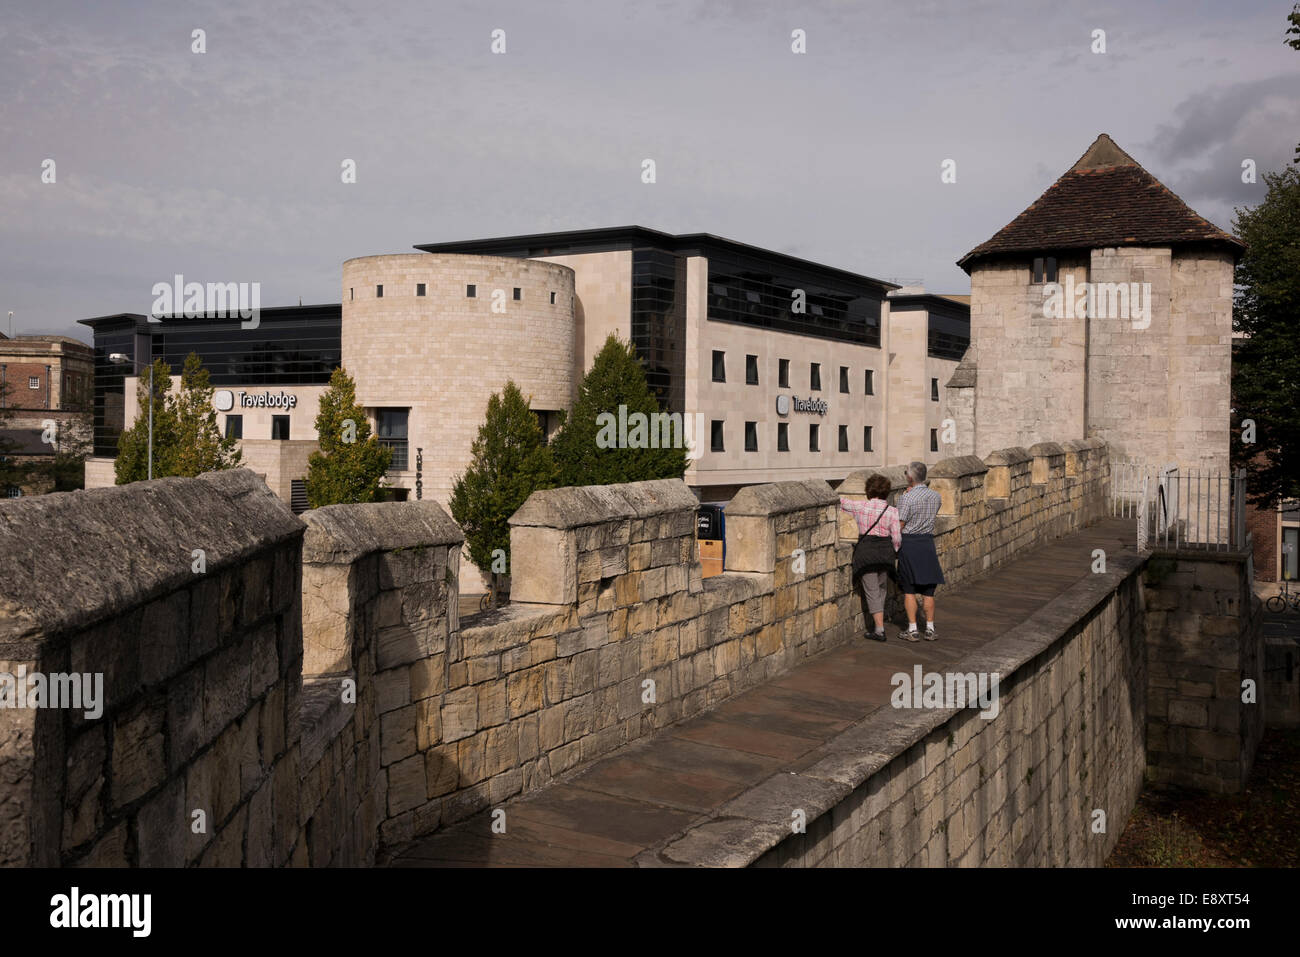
910,527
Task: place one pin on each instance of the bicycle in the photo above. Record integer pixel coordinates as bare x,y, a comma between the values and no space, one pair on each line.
1282,599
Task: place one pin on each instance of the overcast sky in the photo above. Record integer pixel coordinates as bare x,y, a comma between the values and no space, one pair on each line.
225,166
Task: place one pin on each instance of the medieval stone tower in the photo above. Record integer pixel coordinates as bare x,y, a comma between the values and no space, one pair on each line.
1104,310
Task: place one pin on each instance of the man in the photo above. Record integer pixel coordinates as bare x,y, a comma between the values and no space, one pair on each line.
918,562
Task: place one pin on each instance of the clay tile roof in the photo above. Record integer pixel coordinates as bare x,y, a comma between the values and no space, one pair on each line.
1105,199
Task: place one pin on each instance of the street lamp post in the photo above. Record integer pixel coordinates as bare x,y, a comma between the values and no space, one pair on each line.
121,358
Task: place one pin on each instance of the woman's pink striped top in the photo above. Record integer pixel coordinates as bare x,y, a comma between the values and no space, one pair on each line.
866,511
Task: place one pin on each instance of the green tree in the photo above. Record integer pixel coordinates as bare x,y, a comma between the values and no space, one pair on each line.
1293,41
1266,363
132,463
509,460
351,463
584,455
200,444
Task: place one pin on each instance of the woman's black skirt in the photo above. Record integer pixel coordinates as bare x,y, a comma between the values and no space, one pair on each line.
918,562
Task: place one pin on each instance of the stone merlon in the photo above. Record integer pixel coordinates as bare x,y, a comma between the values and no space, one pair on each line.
780,498
344,533
958,466
576,506
71,560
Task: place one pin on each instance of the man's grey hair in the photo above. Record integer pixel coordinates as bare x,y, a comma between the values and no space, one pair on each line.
917,471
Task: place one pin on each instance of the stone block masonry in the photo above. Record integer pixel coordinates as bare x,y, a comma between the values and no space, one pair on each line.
1204,641
379,597
313,692
1048,782
194,756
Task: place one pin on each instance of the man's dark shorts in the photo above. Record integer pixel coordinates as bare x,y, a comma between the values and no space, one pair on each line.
908,588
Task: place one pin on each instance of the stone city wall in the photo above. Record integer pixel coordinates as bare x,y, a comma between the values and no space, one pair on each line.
1204,640
318,698
946,787
193,756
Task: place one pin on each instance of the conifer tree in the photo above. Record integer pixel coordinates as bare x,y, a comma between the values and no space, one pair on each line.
509,461
351,463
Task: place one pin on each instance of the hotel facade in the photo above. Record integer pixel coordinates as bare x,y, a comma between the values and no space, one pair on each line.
795,370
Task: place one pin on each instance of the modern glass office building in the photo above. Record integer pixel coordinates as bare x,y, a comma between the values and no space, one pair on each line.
784,368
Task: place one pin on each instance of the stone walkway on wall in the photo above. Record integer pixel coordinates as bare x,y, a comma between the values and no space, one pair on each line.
625,809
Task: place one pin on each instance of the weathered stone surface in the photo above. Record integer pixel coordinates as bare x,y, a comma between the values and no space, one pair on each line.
111,549
340,534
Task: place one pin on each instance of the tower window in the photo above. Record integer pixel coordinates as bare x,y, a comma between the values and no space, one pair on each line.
715,436
471,291
934,390
866,438
844,438
751,436
751,370
1044,269
719,366
934,440
783,437
815,378
783,373
379,292
870,383
844,379
519,294
419,289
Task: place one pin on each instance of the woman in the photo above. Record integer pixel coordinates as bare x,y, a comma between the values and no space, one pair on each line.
875,517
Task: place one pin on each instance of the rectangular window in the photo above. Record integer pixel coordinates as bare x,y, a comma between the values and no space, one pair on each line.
783,373
34,382
1044,269
866,438
783,437
552,299
844,438
419,289
280,427
871,382
519,294
934,390
471,291
715,436
379,292
814,438
844,379
815,377
719,366
390,429
234,426
751,370
934,440
352,292
751,436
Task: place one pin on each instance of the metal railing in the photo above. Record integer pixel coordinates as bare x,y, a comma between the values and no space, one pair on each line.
1196,509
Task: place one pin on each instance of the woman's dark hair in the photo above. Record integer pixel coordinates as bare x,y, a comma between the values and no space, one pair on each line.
878,486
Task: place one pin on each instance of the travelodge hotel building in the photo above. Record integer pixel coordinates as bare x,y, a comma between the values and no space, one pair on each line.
800,370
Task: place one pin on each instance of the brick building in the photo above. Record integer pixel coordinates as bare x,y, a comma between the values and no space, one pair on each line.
43,379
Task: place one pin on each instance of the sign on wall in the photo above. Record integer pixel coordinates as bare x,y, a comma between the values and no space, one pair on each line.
784,403
223,400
